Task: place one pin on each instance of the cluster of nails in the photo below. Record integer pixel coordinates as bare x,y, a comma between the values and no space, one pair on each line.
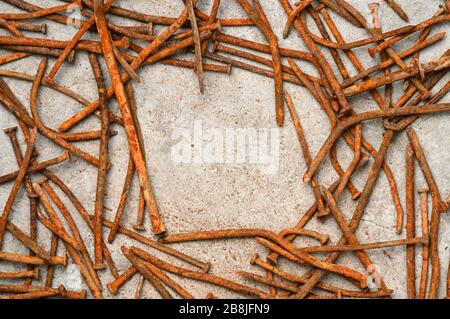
202,32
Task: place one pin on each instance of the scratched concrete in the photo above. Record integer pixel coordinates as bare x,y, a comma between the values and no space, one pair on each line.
216,196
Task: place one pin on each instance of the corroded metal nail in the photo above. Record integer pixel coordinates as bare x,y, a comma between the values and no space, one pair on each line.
27,292
423,191
410,222
30,260
114,286
305,151
21,274
103,162
197,45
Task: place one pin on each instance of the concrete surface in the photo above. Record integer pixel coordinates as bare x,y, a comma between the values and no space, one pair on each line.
204,196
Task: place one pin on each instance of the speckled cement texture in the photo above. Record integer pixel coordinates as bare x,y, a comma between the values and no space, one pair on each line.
206,196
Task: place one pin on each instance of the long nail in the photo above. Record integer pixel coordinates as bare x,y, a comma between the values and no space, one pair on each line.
42,28
29,292
12,134
270,282
259,17
21,274
251,68
36,14
305,150
342,12
197,45
114,286
30,260
423,192
49,52
264,48
191,64
55,86
410,222
133,108
212,20
103,162
13,57
256,58
324,32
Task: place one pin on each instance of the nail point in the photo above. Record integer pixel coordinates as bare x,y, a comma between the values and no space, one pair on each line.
254,258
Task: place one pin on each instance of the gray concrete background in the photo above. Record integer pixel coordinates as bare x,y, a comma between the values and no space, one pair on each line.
217,196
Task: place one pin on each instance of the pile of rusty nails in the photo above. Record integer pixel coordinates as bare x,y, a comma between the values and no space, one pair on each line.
202,33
